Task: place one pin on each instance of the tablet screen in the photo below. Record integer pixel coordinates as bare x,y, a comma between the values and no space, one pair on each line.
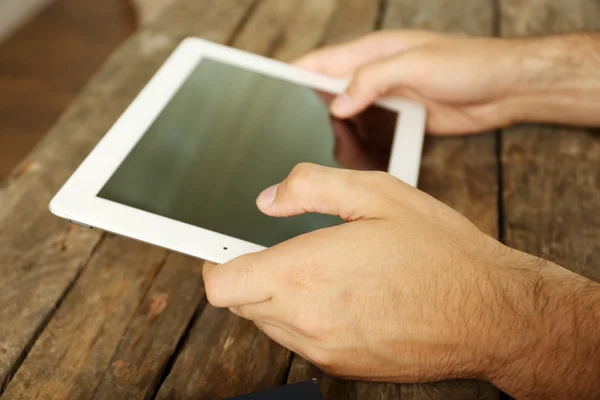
227,134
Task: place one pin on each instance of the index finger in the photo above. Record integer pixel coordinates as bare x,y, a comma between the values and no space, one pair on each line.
258,277
342,60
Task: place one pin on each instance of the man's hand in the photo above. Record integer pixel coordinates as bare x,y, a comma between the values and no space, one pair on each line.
470,85
408,290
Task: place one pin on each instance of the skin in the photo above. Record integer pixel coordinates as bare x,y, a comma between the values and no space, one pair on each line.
409,290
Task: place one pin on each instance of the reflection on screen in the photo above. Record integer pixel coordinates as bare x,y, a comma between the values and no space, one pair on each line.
229,133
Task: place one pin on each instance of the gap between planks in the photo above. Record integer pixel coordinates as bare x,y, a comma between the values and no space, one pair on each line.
15,367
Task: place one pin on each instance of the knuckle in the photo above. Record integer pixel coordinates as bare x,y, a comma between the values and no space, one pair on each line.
362,82
369,81
380,179
300,176
375,182
295,279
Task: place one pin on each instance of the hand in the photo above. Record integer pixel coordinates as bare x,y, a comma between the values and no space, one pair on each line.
377,297
469,85
407,290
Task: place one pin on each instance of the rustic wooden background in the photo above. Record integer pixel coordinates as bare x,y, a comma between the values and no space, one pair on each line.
85,314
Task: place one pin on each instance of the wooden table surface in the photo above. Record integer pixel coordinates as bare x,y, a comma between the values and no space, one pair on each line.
85,314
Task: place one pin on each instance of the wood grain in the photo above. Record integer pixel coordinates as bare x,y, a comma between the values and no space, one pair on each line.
551,175
464,17
225,356
72,353
352,19
40,254
158,325
462,172
266,27
305,31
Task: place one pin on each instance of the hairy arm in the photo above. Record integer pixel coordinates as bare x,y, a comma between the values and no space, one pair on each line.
560,80
549,342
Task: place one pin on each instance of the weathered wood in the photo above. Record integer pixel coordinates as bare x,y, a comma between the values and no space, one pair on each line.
552,175
137,367
72,353
305,30
266,27
40,254
462,172
353,19
465,17
215,20
225,356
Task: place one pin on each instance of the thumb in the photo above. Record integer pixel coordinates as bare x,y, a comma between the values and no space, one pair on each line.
310,188
376,80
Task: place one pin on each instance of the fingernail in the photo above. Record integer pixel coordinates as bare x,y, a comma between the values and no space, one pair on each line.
342,104
267,197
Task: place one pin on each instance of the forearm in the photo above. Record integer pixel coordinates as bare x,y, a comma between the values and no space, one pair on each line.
560,80
549,343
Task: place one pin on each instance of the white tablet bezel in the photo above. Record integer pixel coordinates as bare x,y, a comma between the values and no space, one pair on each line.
77,200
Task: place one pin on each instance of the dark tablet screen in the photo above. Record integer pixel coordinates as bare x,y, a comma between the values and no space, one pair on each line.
227,134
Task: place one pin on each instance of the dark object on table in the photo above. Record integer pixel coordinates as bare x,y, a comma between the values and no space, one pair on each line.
308,390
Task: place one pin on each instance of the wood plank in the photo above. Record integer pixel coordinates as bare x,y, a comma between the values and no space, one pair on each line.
137,367
286,30
215,20
40,254
551,178
464,17
73,351
305,30
469,186
225,356
353,19
266,27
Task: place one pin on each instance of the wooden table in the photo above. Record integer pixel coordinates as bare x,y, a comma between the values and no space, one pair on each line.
85,314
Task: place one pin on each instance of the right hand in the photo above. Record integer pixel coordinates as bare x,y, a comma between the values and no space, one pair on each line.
468,85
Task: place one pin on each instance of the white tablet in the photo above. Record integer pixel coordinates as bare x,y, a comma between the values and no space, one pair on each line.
182,167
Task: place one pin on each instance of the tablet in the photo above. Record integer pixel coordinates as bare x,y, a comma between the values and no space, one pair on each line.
183,165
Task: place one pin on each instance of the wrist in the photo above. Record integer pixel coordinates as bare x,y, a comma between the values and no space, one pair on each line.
548,339
559,80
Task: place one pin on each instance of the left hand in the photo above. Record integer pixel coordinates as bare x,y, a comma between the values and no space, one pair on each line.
401,292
